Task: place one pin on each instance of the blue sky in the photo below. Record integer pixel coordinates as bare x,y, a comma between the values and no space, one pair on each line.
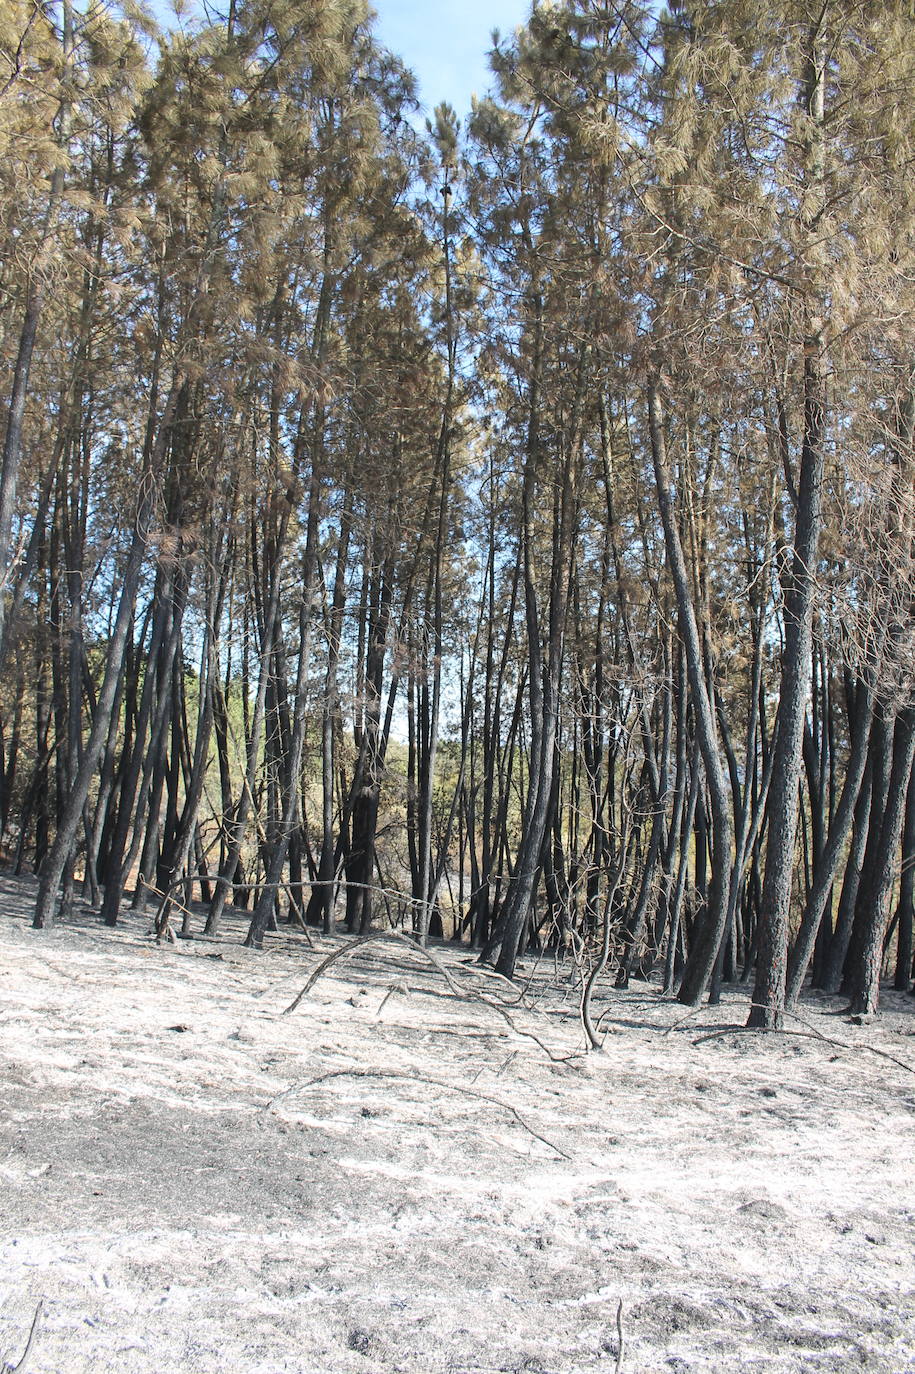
445,43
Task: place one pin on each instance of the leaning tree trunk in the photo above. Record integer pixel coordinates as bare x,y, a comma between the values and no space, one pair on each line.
701,962
865,973
769,994
836,841
767,1010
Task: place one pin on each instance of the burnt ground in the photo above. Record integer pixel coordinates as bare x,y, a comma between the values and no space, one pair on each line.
402,1174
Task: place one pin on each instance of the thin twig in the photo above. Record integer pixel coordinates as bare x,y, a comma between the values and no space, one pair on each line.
409,1077
840,1044
500,1070
811,1034
395,987
345,950
619,1335
388,937
20,1367
485,971
584,1007
683,1019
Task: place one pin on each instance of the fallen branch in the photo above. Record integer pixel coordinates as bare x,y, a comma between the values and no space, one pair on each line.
408,1077
619,1336
350,948
818,1034
389,937
683,1019
395,987
810,1034
485,971
553,1058
20,1367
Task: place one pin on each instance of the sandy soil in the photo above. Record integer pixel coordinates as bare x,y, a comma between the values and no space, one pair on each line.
193,1181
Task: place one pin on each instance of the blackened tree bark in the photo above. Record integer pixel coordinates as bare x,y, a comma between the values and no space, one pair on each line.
874,899
836,841
68,823
905,907
544,678
292,764
701,961
767,1010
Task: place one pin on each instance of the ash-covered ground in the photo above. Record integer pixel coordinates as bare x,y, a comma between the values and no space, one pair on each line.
422,1173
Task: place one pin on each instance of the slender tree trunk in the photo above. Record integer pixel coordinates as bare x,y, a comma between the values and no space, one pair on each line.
865,974
906,904
836,840
769,995
276,857
767,1010
699,967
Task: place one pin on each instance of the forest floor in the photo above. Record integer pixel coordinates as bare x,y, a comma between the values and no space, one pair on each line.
400,1176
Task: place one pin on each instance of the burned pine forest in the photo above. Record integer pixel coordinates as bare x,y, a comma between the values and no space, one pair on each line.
495,528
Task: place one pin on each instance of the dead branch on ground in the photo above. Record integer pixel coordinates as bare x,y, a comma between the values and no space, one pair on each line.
619,1336
410,1077
388,937
810,1034
20,1368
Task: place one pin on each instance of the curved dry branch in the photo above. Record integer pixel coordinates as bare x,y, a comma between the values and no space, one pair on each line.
433,1083
385,937
811,1034
389,937
20,1368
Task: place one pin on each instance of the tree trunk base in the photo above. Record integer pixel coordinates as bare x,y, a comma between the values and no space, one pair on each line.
766,1018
